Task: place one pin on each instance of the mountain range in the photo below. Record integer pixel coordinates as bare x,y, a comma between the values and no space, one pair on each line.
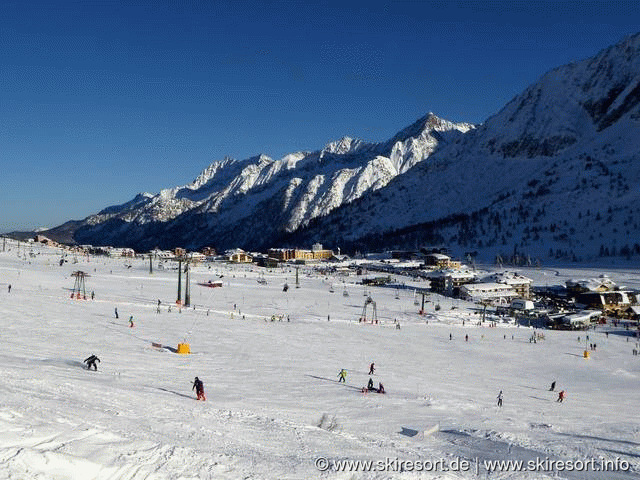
554,173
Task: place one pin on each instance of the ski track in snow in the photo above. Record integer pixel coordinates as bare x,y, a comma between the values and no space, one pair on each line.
274,403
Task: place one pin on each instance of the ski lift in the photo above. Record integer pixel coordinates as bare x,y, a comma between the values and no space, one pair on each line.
373,317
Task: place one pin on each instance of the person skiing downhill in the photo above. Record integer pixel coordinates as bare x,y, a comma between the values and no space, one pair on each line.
561,396
342,376
198,386
91,362
372,368
116,312
131,321
500,399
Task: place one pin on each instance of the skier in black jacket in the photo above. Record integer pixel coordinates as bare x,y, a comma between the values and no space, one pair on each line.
198,386
91,362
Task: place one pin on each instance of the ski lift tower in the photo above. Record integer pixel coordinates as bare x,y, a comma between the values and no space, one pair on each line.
374,312
79,287
423,294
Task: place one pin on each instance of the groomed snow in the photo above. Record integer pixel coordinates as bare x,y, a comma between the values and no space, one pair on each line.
269,384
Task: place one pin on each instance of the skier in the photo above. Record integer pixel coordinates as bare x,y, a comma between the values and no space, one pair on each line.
342,376
9,289
198,386
116,312
372,368
131,321
370,385
93,294
561,396
91,362
553,386
380,388
500,399
466,338
450,337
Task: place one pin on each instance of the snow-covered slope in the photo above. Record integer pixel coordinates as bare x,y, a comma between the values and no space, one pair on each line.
556,169
274,408
243,203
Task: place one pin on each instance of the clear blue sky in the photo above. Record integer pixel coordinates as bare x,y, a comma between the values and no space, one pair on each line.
102,100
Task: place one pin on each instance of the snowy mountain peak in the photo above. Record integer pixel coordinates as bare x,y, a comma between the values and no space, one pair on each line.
570,104
210,172
343,146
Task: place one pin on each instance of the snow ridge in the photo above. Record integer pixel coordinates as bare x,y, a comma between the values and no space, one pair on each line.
300,186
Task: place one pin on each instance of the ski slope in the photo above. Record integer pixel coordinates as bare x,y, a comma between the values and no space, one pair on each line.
274,406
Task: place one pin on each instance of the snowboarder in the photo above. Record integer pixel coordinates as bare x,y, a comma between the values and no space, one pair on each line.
342,376
372,368
131,321
500,399
553,386
370,384
561,396
116,312
198,386
91,362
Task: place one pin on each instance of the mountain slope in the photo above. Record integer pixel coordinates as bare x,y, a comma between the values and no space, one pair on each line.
553,170
247,203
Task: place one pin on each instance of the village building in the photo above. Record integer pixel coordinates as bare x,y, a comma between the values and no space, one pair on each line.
196,257
600,284
488,292
616,302
448,282
437,260
119,252
238,255
520,283
45,241
162,254
285,254
266,261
